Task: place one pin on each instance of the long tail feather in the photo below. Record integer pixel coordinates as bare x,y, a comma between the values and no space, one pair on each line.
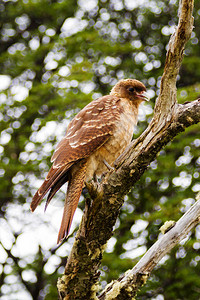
52,177
55,188
71,201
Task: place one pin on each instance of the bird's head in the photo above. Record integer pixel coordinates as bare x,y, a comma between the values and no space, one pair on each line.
131,89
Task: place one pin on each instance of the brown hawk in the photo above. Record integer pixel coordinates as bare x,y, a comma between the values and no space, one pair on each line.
94,139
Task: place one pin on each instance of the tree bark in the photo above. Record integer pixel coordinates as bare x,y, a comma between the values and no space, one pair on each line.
80,280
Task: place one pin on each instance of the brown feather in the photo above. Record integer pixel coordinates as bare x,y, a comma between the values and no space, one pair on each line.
55,188
52,177
72,197
88,130
100,131
80,141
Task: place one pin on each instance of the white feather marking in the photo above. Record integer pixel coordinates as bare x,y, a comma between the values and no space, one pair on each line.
56,149
88,121
71,127
97,120
106,124
89,125
72,144
68,134
77,144
88,112
77,118
72,136
99,125
56,166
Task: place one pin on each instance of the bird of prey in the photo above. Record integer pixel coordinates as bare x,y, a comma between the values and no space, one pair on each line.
94,139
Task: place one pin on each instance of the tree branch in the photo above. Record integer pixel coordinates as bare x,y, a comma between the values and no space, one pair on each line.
127,286
170,118
174,57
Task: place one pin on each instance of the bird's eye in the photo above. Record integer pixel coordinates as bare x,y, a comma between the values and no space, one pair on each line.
131,89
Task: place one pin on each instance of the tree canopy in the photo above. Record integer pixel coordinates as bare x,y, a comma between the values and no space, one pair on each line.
56,56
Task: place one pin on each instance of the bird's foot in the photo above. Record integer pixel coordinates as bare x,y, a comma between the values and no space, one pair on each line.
108,166
93,186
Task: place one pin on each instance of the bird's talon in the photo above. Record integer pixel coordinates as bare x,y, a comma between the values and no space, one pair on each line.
108,166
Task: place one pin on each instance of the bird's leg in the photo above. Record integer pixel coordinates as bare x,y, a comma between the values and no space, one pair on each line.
92,187
95,178
108,166
109,169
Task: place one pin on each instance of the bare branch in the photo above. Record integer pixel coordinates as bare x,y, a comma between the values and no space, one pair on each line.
167,96
128,285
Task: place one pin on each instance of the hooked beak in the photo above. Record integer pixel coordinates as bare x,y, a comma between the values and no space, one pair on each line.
143,96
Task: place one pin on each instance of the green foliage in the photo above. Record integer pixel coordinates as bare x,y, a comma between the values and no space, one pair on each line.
57,56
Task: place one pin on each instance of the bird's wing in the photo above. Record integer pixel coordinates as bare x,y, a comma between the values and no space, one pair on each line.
88,131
